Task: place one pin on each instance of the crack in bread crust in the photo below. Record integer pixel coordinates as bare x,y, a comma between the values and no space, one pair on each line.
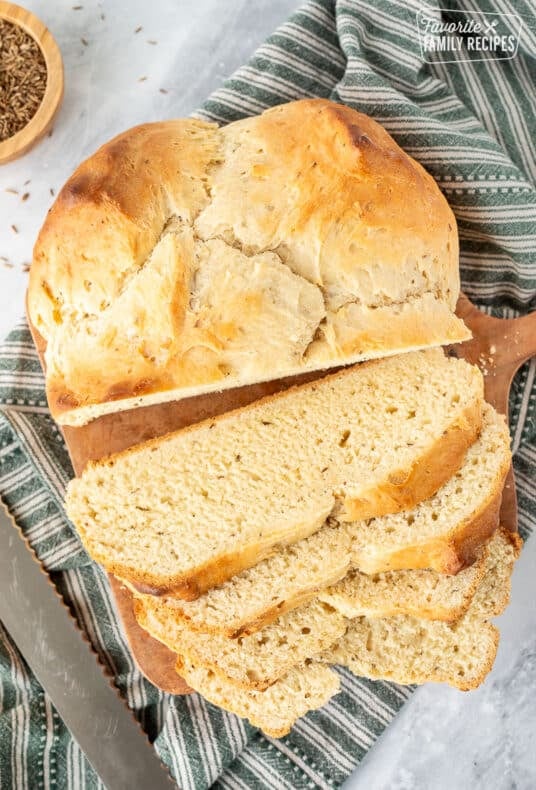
367,276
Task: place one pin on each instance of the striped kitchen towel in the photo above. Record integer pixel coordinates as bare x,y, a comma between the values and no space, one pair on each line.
471,123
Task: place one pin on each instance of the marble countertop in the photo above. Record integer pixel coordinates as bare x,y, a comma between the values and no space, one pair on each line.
443,739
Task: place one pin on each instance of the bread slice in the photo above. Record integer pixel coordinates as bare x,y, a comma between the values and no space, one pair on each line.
291,576
420,593
258,660
445,532
467,511
410,650
185,512
251,662
303,688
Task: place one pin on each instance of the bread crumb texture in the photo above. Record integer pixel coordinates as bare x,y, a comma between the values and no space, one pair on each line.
294,574
402,649
304,688
258,660
185,512
411,650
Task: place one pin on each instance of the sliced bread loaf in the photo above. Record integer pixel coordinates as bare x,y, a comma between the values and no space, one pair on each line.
258,660
303,688
185,512
402,649
463,512
410,650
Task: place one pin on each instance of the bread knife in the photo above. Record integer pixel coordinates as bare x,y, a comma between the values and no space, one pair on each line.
63,662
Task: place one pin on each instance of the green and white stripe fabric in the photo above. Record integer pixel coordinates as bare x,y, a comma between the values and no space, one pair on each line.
471,124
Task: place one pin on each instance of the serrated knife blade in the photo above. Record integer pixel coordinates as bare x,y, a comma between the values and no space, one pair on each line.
46,635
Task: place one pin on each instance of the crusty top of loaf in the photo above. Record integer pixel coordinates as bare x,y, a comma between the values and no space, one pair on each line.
182,258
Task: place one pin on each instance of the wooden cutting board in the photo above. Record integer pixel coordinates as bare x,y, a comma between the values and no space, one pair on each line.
498,347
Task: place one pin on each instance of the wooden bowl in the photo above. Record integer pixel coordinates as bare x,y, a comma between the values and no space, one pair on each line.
37,126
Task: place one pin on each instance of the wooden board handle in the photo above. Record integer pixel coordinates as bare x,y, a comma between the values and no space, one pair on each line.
499,347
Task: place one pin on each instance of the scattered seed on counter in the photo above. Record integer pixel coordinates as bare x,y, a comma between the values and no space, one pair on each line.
138,29
84,41
152,41
25,197
52,192
11,191
163,90
14,229
142,79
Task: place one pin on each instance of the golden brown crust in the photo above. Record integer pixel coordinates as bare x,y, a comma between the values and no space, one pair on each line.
487,632
194,658
210,575
206,576
445,555
495,606
140,607
449,554
419,325
272,613
268,616
408,487
423,481
261,685
354,230
301,386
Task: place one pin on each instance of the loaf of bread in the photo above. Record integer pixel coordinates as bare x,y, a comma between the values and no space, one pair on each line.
258,660
458,517
184,512
181,258
275,710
